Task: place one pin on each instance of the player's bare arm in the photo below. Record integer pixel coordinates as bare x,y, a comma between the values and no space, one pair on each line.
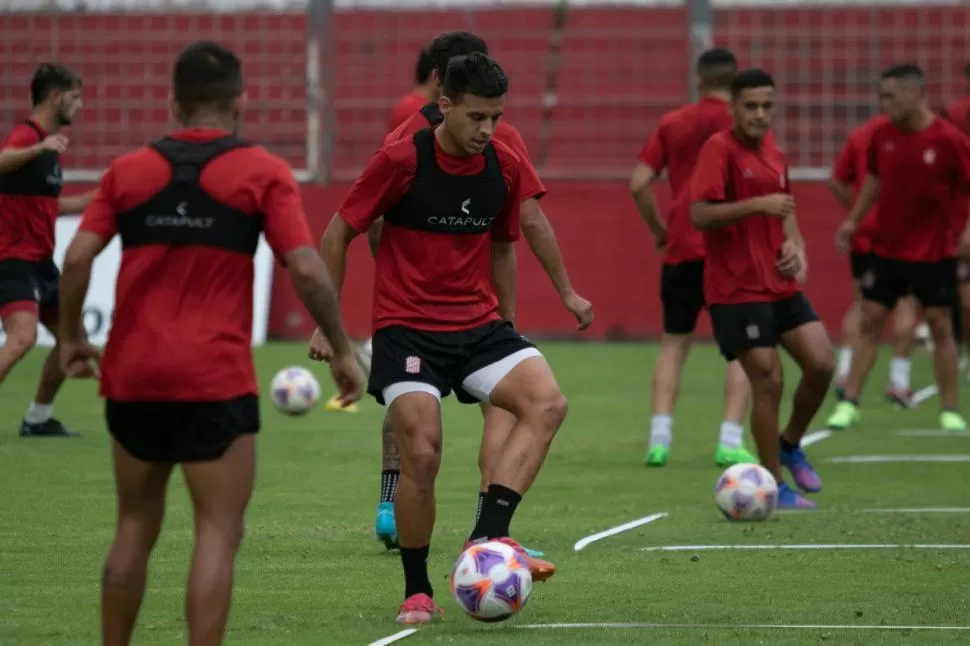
504,269
792,261
77,356
868,195
842,193
12,159
646,202
714,215
75,203
374,235
333,247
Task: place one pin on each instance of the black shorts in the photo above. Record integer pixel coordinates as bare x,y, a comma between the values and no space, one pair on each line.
181,431
26,281
859,264
442,360
682,295
932,283
743,326
963,271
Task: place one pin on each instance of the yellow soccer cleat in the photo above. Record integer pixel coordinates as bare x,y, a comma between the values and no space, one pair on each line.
334,405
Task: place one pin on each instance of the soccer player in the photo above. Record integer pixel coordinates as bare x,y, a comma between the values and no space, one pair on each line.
755,258
918,175
675,145
959,111
450,200
847,177
542,240
425,90
30,201
177,372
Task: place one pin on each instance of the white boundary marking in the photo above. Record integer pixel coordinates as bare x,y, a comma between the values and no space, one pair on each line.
396,637
822,546
919,510
923,394
815,437
619,529
751,627
928,432
881,459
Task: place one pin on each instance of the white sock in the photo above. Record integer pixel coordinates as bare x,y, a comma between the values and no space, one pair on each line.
39,413
845,362
732,435
899,373
661,430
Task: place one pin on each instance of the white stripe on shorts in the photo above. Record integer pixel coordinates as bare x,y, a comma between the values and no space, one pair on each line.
394,391
482,382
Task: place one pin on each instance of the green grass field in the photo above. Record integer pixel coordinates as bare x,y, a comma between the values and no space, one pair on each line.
311,572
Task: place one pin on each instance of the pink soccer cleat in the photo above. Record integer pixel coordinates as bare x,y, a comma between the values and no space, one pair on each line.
418,609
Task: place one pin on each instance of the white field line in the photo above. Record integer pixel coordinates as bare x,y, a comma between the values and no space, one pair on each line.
815,437
810,546
396,637
746,627
619,529
929,432
883,459
919,510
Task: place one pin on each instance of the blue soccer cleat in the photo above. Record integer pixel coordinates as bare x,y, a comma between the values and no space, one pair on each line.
788,498
385,528
802,472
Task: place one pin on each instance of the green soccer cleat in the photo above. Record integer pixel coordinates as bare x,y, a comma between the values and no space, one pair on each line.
846,414
952,422
725,456
657,456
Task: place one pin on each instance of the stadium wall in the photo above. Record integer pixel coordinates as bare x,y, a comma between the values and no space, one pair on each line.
610,257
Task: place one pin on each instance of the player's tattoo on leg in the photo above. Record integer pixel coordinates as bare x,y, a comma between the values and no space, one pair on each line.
390,456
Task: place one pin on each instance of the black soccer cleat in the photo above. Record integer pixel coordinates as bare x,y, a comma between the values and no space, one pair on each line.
50,428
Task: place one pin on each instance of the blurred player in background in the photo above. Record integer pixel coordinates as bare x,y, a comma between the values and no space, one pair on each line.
674,145
755,257
425,90
848,174
178,372
30,201
959,111
918,176
443,301
541,238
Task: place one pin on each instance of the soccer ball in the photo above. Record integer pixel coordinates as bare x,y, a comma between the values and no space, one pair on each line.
746,492
294,390
490,581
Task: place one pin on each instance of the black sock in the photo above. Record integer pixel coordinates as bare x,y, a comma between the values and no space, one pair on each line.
478,509
497,510
786,445
389,480
415,562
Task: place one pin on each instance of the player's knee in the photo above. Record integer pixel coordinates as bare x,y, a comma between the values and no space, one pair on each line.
940,325
766,381
549,410
20,340
424,456
822,369
227,532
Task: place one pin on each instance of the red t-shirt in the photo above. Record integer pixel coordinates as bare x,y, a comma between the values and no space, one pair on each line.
430,280
959,114
851,168
27,222
674,145
183,318
405,108
924,177
741,258
505,133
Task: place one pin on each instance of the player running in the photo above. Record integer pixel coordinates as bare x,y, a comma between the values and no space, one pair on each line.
675,146
178,373
541,238
30,201
847,177
450,197
918,175
741,199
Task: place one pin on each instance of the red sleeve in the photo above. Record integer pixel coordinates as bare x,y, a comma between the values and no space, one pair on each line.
845,164
506,227
654,151
21,137
963,157
284,220
709,183
531,185
872,154
382,184
100,216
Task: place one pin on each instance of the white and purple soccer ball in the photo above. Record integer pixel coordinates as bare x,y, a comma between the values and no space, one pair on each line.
295,391
491,582
746,492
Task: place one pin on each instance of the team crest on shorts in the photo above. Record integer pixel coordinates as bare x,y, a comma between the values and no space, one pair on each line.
412,365
753,332
868,280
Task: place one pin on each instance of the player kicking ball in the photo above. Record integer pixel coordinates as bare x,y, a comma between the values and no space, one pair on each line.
450,200
918,177
675,146
755,259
